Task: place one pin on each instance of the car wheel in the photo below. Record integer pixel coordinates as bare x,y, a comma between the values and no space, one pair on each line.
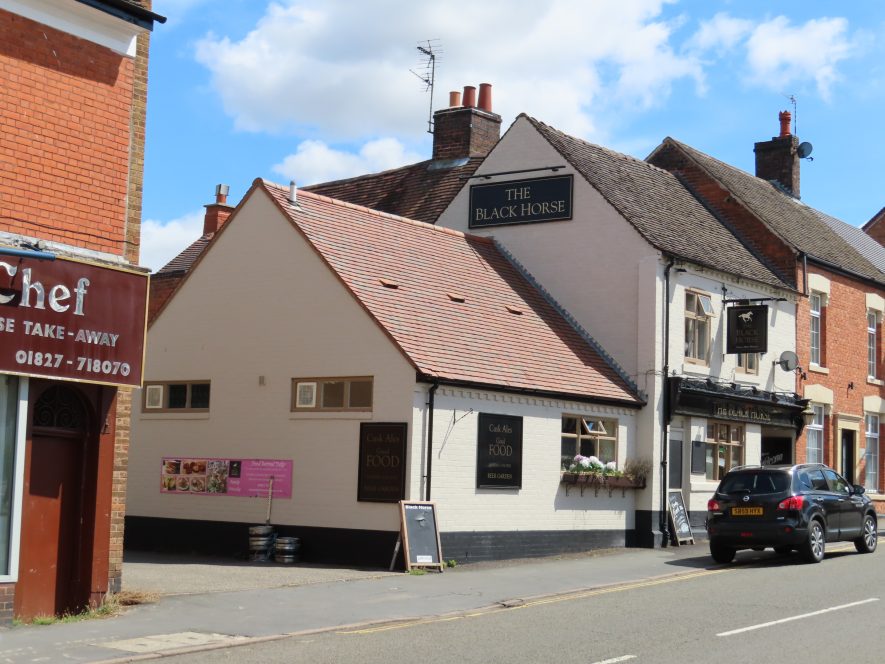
868,539
721,553
812,548
783,550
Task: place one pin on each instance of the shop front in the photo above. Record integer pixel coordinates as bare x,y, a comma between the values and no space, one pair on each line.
71,333
727,425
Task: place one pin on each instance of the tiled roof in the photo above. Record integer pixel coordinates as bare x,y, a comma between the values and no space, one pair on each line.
420,191
455,306
808,230
863,243
186,259
661,209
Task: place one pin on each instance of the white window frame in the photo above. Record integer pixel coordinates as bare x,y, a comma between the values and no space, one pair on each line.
815,307
871,433
872,355
748,363
814,436
698,327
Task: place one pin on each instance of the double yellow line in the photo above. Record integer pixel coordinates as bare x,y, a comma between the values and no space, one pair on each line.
567,597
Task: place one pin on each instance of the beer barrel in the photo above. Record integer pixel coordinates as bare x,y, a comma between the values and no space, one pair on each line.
286,549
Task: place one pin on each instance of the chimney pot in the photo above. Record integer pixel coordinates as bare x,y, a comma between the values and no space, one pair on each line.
469,96
293,192
485,97
785,118
454,99
221,191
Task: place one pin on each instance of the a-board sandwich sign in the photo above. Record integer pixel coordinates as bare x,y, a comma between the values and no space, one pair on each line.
679,517
420,534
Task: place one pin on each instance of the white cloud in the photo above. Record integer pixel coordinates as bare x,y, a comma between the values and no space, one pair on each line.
163,241
721,33
314,67
780,55
314,161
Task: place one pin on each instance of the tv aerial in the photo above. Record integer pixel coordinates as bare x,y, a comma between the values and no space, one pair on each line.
430,49
804,149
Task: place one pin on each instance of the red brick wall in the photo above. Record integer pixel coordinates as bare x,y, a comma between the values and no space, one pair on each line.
844,355
7,592
65,112
464,132
161,288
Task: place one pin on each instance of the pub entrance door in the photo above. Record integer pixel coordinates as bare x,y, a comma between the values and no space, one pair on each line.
53,559
847,469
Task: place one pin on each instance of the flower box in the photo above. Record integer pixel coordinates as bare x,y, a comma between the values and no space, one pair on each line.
598,481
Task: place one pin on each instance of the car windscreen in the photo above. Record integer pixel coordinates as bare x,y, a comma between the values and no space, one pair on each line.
756,482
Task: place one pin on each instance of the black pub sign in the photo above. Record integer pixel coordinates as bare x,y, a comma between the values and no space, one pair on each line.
382,469
521,201
499,452
747,329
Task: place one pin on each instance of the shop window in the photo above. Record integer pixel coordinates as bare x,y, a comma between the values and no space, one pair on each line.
332,394
724,449
588,436
872,351
814,437
748,363
8,415
816,310
872,454
698,312
176,397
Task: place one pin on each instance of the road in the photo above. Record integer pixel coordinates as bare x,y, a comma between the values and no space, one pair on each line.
765,608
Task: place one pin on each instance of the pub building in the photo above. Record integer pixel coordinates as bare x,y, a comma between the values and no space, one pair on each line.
73,301
688,310
372,359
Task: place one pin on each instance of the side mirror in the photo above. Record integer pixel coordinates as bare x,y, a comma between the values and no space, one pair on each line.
858,489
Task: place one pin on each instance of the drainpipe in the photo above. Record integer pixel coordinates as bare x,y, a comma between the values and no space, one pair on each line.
804,273
430,398
665,437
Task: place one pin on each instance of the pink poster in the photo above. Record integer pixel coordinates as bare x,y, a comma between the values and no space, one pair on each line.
251,478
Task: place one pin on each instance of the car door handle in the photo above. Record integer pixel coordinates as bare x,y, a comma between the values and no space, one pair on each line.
817,499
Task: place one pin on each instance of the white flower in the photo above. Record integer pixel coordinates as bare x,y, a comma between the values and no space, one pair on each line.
611,465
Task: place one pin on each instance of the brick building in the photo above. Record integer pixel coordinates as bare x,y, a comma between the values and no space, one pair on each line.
73,85
841,273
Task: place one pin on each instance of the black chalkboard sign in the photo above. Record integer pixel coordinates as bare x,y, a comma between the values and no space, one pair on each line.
679,518
499,452
420,535
382,466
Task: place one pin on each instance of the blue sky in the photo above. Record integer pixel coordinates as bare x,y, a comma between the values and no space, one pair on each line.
314,90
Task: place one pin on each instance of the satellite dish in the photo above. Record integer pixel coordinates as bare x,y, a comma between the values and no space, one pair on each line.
788,360
804,150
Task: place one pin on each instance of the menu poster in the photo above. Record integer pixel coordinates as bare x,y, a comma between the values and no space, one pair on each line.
226,477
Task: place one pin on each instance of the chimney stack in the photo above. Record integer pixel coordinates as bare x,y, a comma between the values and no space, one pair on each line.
217,212
464,129
778,159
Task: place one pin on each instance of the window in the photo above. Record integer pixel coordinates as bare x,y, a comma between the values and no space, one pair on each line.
872,356
872,455
816,306
838,484
698,311
176,397
333,394
724,450
814,437
748,363
8,415
588,436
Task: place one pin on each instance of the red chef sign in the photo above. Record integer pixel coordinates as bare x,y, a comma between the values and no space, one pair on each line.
72,320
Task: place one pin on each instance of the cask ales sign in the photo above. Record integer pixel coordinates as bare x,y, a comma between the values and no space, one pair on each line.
382,469
747,329
499,452
521,201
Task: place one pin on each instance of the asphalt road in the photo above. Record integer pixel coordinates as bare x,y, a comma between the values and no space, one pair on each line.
765,608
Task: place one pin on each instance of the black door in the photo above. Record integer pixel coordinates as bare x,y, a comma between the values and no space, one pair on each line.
848,455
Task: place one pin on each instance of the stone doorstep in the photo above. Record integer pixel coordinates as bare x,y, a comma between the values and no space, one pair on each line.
162,642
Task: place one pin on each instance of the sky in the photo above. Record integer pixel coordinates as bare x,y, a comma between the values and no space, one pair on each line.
317,90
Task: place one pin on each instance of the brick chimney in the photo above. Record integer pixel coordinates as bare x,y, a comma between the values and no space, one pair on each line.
217,212
778,159
467,130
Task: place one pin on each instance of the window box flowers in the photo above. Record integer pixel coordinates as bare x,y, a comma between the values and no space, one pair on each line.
590,471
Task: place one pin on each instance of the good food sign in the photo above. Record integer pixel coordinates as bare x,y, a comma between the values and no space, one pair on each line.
521,201
72,320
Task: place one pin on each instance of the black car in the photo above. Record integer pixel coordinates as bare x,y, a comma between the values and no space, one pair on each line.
789,508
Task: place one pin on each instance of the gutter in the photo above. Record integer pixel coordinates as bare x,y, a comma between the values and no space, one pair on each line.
665,408
128,11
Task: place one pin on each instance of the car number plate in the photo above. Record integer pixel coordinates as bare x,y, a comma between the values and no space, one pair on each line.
746,511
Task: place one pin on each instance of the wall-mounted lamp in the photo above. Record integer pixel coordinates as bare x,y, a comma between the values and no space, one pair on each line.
808,415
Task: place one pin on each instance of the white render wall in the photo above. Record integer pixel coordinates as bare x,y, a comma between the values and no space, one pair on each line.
541,503
261,303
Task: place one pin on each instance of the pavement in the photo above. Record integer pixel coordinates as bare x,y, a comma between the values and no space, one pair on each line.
205,603
208,603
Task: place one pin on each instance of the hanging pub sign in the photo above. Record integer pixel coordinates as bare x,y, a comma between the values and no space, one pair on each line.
72,320
499,452
521,201
382,465
747,329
